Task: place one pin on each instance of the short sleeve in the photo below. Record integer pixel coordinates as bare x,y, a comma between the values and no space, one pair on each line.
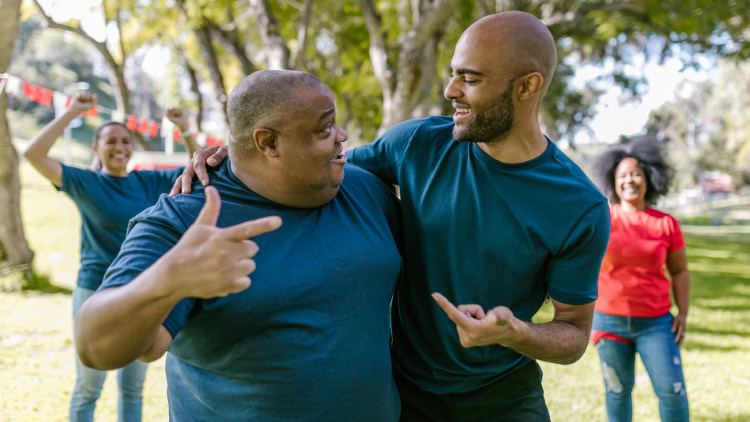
160,181
573,272
384,156
75,181
677,240
147,240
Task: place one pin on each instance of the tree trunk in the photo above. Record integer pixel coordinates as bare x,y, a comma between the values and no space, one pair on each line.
270,33
407,87
14,250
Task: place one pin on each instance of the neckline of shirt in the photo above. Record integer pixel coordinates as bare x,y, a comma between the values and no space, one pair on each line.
534,162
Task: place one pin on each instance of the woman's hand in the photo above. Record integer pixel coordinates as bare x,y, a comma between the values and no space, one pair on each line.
679,328
82,102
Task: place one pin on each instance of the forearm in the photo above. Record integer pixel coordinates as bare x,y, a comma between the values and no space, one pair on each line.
681,290
190,143
555,341
119,325
41,144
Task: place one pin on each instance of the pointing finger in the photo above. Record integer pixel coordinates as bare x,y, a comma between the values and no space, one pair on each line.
253,228
453,313
209,215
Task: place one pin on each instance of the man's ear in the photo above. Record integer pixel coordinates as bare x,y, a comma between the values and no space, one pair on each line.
265,141
531,85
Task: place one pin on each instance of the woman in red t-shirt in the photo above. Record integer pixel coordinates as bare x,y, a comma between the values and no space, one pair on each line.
632,311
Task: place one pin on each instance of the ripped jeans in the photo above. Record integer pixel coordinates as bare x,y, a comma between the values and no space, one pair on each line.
651,338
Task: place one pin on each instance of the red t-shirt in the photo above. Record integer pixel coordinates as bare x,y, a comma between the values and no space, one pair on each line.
632,280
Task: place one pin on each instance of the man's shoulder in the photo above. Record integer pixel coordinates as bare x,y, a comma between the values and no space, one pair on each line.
357,180
578,178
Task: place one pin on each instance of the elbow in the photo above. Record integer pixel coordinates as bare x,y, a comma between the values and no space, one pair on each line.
91,359
575,355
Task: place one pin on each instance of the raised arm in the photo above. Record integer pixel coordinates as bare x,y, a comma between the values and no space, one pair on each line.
38,151
119,325
179,118
562,340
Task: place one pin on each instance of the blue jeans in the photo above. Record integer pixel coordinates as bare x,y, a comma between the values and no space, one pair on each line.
89,382
651,338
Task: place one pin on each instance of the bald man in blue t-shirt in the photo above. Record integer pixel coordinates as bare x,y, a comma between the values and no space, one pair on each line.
309,340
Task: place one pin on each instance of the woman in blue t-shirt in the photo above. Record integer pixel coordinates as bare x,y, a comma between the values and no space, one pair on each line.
107,199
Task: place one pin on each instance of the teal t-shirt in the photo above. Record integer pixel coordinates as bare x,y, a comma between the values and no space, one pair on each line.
484,232
106,204
309,339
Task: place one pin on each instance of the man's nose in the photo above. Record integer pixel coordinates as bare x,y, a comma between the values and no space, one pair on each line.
341,135
450,90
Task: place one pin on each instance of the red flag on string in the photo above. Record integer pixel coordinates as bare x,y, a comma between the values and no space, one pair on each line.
67,102
212,142
26,89
46,97
92,112
153,130
36,93
176,135
142,126
132,123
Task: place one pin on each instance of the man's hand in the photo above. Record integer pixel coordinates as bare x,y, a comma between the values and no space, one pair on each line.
177,117
477,328
82,102
213,156
212,262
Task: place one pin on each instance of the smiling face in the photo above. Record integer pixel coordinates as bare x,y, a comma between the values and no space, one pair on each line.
310,145
114,148
481,91
630,183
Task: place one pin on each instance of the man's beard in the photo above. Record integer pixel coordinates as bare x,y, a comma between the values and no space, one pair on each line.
492,124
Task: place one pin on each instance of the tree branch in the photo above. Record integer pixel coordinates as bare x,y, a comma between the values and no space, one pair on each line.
302,35
268,27
230,40
378,48
433,19
101,46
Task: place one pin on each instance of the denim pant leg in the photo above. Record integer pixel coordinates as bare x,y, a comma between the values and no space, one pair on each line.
89,381
130,380
618,368
661,357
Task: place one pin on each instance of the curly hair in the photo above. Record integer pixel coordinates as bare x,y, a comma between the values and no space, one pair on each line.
650,157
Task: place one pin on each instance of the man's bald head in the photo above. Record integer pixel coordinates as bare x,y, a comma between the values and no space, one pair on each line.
521,42
265,98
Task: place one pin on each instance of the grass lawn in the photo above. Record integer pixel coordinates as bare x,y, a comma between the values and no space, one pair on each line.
36,350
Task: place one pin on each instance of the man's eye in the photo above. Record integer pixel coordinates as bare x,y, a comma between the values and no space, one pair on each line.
328,128
470,81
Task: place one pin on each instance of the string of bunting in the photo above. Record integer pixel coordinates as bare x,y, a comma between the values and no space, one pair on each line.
48,97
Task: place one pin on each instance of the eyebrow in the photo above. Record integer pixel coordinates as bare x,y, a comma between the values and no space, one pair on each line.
465,71
325,115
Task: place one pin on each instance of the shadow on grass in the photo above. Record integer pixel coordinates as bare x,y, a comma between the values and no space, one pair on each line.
720,289
28,280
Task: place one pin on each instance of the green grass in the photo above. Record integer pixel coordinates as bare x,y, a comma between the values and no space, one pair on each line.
36,350
716,353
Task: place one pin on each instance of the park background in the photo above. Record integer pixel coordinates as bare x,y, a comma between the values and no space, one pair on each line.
675,71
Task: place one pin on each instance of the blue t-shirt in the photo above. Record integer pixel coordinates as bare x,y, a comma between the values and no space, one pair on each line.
309,339
106,204
481,231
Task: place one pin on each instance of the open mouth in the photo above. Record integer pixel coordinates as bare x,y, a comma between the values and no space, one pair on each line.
340,157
